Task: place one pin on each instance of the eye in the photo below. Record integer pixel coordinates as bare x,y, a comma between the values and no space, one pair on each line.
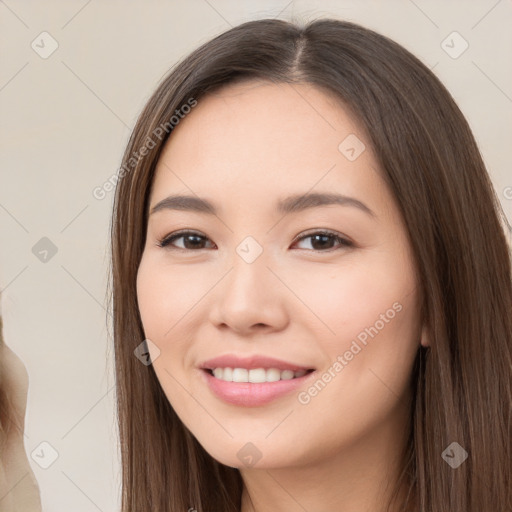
192,240
321,241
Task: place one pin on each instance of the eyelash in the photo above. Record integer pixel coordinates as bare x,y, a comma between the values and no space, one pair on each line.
343,243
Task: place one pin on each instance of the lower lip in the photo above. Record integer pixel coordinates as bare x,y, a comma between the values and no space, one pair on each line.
248,394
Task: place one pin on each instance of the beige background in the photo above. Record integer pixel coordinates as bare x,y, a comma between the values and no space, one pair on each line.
64,122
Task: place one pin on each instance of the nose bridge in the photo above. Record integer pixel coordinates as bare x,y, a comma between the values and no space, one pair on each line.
250,292
249,274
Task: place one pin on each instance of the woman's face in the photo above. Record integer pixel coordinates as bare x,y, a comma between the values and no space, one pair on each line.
260,278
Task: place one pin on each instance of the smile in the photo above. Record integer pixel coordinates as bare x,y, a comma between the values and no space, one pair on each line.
252,380
256,375
244,393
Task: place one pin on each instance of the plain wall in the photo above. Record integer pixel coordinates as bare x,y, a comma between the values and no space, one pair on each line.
64,122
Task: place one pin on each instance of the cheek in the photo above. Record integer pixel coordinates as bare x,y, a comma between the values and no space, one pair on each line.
165,299
369,338
169,298
166,296
151,297
350,299
368,314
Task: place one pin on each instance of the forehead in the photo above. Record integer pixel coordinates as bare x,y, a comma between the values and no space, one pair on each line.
259,112
264,139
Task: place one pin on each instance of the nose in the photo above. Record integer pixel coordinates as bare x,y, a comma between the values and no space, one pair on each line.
249,299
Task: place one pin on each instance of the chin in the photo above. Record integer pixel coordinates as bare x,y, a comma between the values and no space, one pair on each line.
245,455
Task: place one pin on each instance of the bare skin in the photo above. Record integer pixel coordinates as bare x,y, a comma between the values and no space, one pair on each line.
19,491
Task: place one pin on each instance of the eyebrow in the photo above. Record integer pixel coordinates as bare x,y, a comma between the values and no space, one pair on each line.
292,204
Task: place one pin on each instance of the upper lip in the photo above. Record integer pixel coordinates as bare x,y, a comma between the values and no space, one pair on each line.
250,362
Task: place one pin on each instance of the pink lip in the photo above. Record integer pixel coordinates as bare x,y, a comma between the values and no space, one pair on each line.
248,394
251,362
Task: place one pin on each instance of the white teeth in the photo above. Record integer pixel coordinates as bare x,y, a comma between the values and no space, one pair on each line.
256,375
273,375
228,374
240,375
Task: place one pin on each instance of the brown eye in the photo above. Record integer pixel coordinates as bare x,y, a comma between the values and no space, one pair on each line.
191,240
322,241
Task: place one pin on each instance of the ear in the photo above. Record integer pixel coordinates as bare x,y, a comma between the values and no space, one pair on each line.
424,337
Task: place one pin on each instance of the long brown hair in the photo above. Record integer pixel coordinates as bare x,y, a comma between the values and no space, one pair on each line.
431,163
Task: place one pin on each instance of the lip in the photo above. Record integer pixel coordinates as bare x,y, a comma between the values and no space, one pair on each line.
250,363
248,394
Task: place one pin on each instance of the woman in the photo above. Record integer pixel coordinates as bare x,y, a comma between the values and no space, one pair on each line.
373,373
